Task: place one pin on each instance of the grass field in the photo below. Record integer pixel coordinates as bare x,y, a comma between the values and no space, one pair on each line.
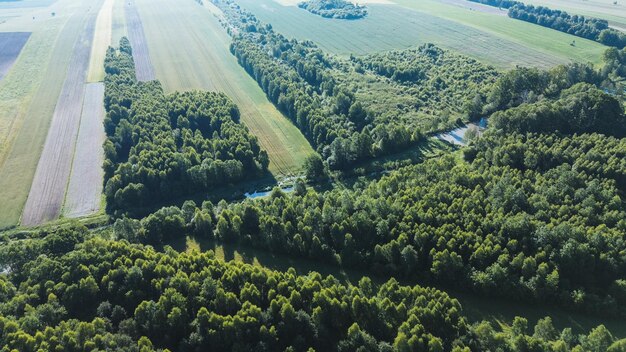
610,10
101,41
118,22
47,193
84,190
528,35
28,95
416,22
190,50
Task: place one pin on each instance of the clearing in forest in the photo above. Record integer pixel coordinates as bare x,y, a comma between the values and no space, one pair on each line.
47,192
84,192
11,45
411,23
190,50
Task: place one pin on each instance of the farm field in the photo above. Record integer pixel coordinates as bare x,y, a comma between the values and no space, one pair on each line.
190,50
137,37
524,34
11,45
84,190
47,192
389,26
28,95
610,10
101,41
118,22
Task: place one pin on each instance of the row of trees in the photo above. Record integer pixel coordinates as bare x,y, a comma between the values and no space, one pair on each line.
335,103
338,9
589,28
162,146
67,293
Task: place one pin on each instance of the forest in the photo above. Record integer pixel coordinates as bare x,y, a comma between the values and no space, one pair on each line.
338,9
73,290
350,110
520,224
162,146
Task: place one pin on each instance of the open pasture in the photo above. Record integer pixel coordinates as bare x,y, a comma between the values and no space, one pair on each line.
84,191
190,50
137,37
412,23
47,192
11,45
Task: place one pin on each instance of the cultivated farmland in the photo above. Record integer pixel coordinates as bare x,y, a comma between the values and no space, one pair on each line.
137,37
390,27
190,50
610,10
84,191
101,41
29,93
47,192
11,45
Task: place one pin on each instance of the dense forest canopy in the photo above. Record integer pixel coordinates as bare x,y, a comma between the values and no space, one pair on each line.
75,291
163,146
339,9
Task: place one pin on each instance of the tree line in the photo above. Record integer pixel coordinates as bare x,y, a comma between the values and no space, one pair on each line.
163,146
338,9
76,291
589,28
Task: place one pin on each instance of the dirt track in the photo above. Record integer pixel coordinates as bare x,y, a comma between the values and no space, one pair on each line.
137,37
47,191
11,44
85,188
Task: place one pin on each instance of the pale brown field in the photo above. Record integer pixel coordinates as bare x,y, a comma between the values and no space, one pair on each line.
47,192
85,188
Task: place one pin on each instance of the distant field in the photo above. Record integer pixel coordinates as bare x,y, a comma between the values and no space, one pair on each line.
84,190
610,10
532,36
11,45
101,41
118,25
28,95
396,27
190,50
47,192
137,37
